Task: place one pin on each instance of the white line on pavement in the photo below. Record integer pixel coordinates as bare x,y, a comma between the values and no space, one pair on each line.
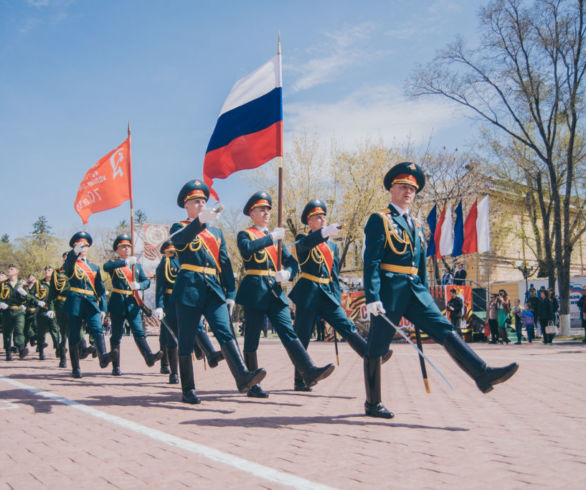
258,470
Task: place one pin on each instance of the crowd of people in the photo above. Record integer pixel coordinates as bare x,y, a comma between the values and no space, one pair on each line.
538,316
195,280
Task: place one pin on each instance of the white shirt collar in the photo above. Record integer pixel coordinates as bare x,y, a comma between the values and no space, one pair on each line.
400,210
264,230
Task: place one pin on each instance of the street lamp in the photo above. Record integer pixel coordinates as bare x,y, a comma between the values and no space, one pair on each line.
527,268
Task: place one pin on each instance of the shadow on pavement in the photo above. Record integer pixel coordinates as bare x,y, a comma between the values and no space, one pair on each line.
279,422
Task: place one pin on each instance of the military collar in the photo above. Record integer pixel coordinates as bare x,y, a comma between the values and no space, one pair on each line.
398,209
264,230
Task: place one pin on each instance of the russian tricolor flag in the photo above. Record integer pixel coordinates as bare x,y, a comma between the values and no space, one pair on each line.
249,130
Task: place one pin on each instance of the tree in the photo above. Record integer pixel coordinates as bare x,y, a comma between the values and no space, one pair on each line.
526,80
41,230
140,217
5,238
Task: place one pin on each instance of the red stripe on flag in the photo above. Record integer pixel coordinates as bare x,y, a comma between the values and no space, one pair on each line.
246,152
438,233
470,244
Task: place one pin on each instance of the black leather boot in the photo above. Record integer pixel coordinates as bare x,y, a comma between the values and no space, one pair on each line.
104,357
484,376
8,353
173,356
359,344
22,351
373,406
74,356
251,362
115,351
197,351
299,384
301,360
187,381
205,344
145,350
41,351
245,379
164,361
62,356
85,350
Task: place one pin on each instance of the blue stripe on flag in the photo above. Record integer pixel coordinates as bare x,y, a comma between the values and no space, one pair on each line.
432,223
254,116
458,232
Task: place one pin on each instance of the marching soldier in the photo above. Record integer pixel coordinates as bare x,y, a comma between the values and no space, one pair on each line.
30,314
86,301
45,314
260,292
13,297
58,288
167,271
395,283
204,286
317,292
128,278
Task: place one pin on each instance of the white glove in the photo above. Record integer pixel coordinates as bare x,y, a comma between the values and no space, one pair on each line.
375,308
3,306
102,316
277,234
230,303
207,215
282,276
79,248
22,308
20,290
159,313
50,314
130,261
42,304
330,230
134,285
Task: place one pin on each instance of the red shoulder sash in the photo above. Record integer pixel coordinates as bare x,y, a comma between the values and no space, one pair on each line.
87,270
271,249
211,245
328,256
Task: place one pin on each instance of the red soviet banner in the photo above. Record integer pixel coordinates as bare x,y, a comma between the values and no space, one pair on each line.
106,185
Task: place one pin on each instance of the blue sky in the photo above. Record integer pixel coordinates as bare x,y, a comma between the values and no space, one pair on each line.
74,73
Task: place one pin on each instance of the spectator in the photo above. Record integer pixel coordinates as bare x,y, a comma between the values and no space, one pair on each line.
545,315
528,320
493,319
517,318
460,275
504,308
555,305
455,306
582,309
447,278
533,301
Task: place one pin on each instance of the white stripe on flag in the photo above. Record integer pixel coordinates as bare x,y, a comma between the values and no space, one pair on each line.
447,236
260,82
483,226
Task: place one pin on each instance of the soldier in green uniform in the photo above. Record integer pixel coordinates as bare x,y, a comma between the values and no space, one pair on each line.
317,292
30,314
128,278
261,295
45,314
204,286
86,301
166,274
395,284
58,288
13,297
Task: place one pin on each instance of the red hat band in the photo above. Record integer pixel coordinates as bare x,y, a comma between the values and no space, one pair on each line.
406,179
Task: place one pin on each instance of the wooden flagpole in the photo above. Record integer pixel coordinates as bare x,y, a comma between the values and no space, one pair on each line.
280,185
